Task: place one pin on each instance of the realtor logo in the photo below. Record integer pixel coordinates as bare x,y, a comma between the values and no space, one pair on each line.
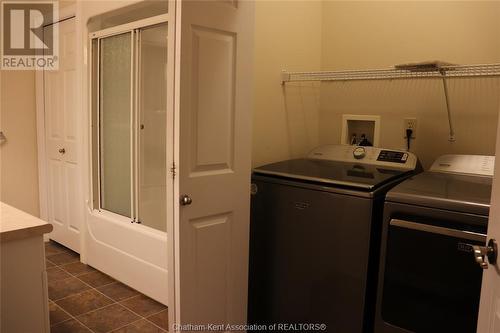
29,39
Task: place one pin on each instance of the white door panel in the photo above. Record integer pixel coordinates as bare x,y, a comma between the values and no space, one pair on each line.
72,190
62,139
210,255
57,212
214,110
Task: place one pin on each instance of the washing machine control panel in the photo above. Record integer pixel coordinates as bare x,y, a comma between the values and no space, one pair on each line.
366,155
392,156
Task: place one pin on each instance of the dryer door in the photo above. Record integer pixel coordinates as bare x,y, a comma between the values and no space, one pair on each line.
431,282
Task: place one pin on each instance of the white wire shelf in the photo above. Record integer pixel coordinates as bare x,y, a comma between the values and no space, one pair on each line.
447,71
429,70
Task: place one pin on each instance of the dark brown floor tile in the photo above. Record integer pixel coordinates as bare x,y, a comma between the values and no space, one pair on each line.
77,268
63,288
69,326
49,264
55,274
96,279
64,258
52,247
84,302
108,318
143,305
160,319
56,314
141,326
117,291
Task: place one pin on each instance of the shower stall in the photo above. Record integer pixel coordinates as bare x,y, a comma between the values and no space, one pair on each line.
130,125
130,138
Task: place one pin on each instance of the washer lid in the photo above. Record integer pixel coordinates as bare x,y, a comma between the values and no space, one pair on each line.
461,193
357,175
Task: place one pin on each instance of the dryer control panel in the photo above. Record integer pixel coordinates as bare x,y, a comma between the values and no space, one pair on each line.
477,165
366,155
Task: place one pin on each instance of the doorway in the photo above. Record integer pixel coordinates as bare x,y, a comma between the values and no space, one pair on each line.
60,188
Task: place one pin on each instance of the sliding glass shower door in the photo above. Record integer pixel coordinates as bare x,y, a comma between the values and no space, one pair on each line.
115,121
152,126
130,139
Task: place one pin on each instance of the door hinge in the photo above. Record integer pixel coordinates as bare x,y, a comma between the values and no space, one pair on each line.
173,170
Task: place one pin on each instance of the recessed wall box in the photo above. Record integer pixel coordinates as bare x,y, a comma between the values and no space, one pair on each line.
354,126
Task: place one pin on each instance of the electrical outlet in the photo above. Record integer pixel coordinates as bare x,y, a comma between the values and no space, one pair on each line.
410,123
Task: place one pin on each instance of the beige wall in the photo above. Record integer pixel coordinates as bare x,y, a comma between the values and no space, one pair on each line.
378,34
18,156
314,35
285,121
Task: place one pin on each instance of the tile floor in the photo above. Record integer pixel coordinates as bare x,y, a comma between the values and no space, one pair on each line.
84,300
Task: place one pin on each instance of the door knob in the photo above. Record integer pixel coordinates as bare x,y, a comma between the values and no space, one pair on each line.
186,200
62,150
490,252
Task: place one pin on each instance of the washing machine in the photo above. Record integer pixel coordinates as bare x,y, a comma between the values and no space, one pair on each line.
315,236
429,280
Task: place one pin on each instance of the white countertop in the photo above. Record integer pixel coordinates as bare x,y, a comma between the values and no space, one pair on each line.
16,224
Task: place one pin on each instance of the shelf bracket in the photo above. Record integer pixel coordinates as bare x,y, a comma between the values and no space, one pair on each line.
448,108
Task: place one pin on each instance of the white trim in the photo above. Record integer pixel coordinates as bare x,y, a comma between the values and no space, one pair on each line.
41,149
85,94
130,26
173,228
172,159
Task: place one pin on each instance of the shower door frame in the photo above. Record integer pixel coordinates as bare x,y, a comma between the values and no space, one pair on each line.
132,28
157,289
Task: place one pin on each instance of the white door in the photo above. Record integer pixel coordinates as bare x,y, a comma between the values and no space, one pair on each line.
62,140
489,309
213,113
